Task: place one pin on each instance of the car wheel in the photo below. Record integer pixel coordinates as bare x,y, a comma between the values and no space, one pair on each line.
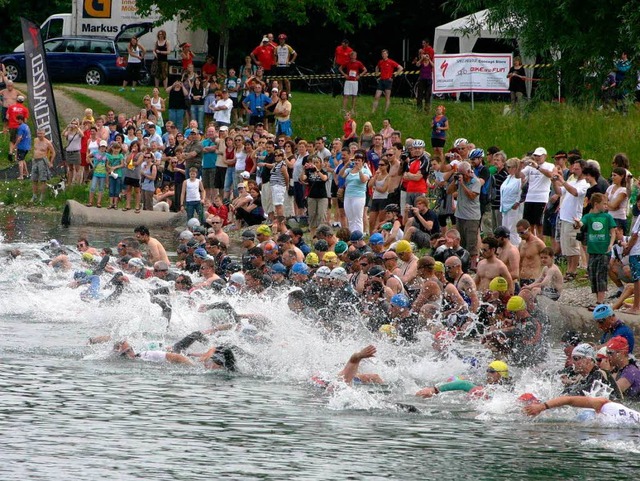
94,76
13,71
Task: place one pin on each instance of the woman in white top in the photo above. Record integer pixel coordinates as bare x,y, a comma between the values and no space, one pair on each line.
510,192
240,166
134,63
618,198
73,134
157,103
379,182
193,195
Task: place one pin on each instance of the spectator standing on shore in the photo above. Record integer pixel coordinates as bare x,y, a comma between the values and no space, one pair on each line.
98,163
73,135
282,113
13,111
177,103
135,58
439,127
115,163
517,87
356,175
161,53
538,173
132,176
468,209
264,55
43,155
351,72
617,197
349,130
284,56
22,146
424,62
386,68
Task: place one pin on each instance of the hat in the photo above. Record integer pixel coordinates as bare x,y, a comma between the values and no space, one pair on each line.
282,35
201,253
500,367
103,143
400,300
339,274
248,234
265,39
528,398
376,239
340,247
193,131
356,235
263,229
618,343
392,208
193,222
242,185
224,128
300,268
516,303
602,353
584,350
321,246
87,257
403,246
502,231
238,278
540,151
330,256
438,267
268,246
186,44
161,266
199,230
602,311
20,98
498,284
323,272
324,230
278,268
312,259
181,248
54,244
192,243
136,262
476,154
376,271
245,175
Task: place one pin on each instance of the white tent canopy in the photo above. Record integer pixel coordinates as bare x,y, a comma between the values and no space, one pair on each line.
477,23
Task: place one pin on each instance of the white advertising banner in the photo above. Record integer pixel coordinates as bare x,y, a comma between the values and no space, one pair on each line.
472,72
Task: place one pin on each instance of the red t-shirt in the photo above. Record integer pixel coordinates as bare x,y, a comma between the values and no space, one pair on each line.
222,212
343,55
209,69
188,60
12,113
429,51
264,54
416,186
353,69
386,68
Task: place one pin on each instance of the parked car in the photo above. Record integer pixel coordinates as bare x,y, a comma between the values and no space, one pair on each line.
96,60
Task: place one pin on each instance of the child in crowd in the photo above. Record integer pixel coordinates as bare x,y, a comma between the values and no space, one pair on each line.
88,116
549,284
98,162
115,162
218,208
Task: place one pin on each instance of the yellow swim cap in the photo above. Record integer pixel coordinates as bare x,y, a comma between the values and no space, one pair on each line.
87,257
516,303
329,256
438,267
312,259
403,246
389,330
500,367
498,284
264,230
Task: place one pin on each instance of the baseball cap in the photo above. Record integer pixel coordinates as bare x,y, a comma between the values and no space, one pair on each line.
498,284
540,151
618,343
602,311
223,128
340,247
265,39
103,143
376,239
20,98
584,350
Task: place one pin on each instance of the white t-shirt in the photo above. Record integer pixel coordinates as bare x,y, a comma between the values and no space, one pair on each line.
621,211
571,205
539,184
241,161
223,115
635,250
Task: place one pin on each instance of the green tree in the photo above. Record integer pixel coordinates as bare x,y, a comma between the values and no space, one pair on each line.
224,15
587,34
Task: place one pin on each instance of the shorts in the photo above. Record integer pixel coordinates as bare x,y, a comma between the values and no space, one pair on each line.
208,177
256,119
533,212
634,265
421,239
334,190
550,292
130,181
73,157
278,193
377,205
525,282
569,245
21,154
282,70
384,84
40,170
13,135
351,87
437,143
218,177
598,272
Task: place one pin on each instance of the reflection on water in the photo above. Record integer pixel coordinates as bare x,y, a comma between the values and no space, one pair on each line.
69,411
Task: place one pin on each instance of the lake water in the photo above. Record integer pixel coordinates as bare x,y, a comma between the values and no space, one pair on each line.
71,411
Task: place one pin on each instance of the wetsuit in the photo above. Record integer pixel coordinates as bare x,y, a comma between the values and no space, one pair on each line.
526,342
585,385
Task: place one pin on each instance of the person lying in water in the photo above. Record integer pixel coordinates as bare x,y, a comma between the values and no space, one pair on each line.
605,409
349,374
497,374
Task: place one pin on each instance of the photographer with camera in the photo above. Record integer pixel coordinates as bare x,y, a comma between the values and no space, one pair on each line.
415,176
177,103
255,104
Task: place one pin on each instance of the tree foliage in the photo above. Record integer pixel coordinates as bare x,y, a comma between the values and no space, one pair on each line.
588,34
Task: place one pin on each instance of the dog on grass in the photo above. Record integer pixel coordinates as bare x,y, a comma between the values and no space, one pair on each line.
59,187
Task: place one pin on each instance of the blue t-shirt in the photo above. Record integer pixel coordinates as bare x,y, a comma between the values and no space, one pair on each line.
209,159
354,187
620,329
374,158
25,141
257,103
442,134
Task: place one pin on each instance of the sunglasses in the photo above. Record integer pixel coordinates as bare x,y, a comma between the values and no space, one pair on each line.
521,233
216,222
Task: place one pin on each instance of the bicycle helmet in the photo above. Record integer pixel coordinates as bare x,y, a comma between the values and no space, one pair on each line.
476,154
418,144
459,142
392,208
282,36
602,311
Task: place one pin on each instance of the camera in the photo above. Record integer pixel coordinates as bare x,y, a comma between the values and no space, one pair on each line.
352,165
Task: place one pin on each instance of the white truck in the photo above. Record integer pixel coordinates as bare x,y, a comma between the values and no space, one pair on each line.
107,17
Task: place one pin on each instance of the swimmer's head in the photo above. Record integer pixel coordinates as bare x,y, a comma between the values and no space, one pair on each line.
528,398
498,284
499,367
222,358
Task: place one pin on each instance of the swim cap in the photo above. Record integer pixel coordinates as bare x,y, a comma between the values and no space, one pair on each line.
201,253
401,300
501,231
528,398
247,234
356,235
438,267
403,246
602,353
300,268
602,311
584,350
444,336
389,330
329,256
500,367
516,303
136,262
376,239
618,343
339,274
87,257
199,230
321,246
278,268
185,235
192,223
340,247
79,275
323,272
572,338
263,229
237,278
498,284
312,259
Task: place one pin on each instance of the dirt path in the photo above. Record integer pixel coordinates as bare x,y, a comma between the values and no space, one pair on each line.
117,103
66,106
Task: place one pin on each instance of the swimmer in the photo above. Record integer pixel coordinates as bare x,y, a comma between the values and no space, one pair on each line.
604,409
350,374
124,349
497,374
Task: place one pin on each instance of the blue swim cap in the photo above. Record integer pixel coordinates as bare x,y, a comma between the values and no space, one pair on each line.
376,239
278,268
602,311
300,268
401,300
201,253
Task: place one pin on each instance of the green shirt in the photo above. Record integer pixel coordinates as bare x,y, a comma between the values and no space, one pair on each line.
598,231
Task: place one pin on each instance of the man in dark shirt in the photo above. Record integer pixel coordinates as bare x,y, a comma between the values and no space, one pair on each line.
423,225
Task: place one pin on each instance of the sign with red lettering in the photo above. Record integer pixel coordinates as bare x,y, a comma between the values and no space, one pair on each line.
472,72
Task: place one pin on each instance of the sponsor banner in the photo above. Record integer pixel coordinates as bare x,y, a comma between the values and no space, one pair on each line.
41,101
472,72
